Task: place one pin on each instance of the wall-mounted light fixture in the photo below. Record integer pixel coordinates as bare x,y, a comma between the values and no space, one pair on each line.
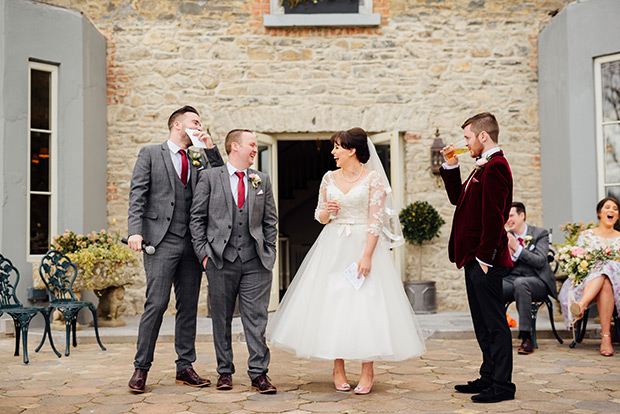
436,157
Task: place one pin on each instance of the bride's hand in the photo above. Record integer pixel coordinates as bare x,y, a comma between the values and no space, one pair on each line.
363,267
332,207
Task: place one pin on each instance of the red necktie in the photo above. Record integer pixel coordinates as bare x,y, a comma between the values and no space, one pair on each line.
240,189
520,240
184,165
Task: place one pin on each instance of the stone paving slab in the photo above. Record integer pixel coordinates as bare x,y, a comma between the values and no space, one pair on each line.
555,379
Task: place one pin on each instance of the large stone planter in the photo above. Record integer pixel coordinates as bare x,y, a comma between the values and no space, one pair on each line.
422,296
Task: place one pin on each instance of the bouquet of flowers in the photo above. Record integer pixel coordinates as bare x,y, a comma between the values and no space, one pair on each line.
578,261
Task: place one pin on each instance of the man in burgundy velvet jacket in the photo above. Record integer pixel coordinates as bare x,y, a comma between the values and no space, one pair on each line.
478,242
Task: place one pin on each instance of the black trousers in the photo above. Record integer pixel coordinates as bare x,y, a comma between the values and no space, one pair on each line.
486,304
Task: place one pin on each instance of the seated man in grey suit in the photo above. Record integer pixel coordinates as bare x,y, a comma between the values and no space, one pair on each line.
162,184
531,279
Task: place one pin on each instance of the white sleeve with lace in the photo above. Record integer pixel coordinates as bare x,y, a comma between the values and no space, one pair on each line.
376,204
322,203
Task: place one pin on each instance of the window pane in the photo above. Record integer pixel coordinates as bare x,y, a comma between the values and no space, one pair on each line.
40,99
39,224
610,74
611,136
39,161
613,192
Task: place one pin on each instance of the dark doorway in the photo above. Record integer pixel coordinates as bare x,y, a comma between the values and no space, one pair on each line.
301,166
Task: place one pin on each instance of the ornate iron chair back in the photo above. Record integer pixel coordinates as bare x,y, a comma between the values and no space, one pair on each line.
8,298
58,274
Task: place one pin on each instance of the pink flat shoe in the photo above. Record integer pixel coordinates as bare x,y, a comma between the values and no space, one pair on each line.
344,387
364,390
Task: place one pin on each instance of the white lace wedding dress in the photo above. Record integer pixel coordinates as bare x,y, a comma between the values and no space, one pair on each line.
322,315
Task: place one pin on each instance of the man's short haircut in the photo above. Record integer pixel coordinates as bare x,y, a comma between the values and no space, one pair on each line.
484,121
520,207
180,112
234,135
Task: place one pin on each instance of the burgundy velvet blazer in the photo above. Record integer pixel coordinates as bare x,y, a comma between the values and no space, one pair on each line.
481,213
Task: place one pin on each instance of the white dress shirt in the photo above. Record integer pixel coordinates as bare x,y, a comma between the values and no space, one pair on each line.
176,154
234,180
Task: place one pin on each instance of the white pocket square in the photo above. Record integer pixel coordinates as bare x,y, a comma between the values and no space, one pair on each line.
260,192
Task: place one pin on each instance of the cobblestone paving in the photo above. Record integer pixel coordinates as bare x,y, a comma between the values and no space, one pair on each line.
553,379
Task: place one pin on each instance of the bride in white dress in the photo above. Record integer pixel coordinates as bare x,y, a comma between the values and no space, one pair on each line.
322,314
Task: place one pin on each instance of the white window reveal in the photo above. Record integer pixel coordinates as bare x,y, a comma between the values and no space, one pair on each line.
304,13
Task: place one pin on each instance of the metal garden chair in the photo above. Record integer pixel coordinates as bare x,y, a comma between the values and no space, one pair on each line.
58,274
22,315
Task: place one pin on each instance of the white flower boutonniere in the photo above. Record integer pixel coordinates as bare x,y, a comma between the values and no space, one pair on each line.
195,157
527,240
254,180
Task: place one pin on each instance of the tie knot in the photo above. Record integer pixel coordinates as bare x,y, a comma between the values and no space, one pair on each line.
520,240
240,174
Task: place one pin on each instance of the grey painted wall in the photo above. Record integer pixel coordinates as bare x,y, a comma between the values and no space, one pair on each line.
64,37
566,49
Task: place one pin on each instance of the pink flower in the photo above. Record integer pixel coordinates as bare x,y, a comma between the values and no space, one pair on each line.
577,251
480,162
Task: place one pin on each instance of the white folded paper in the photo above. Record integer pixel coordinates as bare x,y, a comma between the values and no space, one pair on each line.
351,274
195,141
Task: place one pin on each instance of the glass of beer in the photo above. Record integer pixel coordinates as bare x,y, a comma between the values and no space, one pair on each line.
333,216
454,150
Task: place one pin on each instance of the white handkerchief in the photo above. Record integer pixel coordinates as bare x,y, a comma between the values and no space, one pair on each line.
260,192
195,141
351,274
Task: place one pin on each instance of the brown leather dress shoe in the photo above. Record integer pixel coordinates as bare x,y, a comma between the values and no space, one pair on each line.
137,383
263,385
189,377
527,347
224,382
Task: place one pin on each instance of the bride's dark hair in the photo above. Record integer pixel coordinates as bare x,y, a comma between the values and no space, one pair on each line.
354,138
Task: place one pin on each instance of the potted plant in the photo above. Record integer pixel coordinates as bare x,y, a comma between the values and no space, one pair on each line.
103,267
320,6
421,223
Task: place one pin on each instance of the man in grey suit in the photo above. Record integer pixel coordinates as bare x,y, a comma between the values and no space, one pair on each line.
163,182
531,279
233,225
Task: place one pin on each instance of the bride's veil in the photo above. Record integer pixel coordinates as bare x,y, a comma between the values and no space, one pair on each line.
391,231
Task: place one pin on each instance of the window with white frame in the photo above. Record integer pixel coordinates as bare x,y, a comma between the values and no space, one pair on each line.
291,13
42,157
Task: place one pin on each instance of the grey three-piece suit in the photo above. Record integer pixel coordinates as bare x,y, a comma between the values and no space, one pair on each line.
531,278
241,246
159,205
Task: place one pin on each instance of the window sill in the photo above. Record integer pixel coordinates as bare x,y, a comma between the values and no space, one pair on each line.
332,19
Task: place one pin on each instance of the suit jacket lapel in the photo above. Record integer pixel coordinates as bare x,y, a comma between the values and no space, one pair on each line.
251,195
168,164
225,182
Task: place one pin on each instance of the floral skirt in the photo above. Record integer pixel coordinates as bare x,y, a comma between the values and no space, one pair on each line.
570,293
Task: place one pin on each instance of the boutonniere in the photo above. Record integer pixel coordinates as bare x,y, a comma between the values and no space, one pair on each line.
480,163
254,180
527,240
195,157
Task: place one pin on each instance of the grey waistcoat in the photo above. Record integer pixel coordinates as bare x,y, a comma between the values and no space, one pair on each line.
182,204
241,243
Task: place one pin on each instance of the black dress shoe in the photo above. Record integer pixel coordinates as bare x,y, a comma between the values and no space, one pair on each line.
224,382
137,383
263,385
189,377
493,395
473,387
527,347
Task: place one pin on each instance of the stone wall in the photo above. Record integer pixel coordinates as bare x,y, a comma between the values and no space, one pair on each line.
431,64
